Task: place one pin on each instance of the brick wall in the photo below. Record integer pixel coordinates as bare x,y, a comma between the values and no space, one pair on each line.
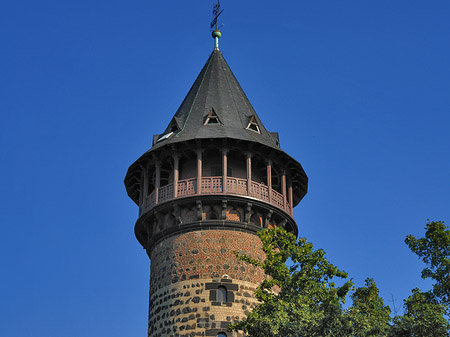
187,271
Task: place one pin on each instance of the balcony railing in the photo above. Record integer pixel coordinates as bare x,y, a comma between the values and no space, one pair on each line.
187,187
214,185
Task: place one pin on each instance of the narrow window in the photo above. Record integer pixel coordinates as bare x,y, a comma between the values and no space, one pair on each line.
253,125
222,294
212,118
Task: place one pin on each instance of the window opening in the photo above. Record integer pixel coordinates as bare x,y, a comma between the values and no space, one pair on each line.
150,187
171,129
253,125
222,294
165,136
216,171
212,118
164,177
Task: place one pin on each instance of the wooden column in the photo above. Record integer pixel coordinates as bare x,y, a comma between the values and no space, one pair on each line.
269,178
199,171
283,187
176,173
224,170
290,195
157,181
146,182
141,190
249,172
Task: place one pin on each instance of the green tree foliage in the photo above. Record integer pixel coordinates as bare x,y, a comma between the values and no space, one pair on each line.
422,318
300,300
368,314
434,250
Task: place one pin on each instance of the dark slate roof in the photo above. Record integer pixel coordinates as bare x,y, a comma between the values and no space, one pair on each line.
215,88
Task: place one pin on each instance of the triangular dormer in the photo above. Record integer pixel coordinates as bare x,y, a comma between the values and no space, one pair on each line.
212,118
173,126
171,129
253,125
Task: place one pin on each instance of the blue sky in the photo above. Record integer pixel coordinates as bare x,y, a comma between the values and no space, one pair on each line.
359,92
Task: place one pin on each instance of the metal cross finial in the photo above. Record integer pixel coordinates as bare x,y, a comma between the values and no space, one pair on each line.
216,33
216,13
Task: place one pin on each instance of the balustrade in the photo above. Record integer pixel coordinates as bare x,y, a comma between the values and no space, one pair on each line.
213,185
187,187
277,199
150,201
259,191
236,186
165,193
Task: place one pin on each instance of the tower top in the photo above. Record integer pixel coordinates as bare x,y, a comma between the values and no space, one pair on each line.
216,34
216,110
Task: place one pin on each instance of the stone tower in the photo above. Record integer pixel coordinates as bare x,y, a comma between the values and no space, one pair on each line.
210,181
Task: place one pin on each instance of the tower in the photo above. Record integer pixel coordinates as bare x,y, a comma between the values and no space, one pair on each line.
208,184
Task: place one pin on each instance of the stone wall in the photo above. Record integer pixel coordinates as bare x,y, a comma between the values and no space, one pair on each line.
187,271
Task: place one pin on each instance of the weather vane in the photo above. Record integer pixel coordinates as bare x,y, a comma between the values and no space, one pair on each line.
216,13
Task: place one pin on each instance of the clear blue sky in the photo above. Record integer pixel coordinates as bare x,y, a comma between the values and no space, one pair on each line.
358,90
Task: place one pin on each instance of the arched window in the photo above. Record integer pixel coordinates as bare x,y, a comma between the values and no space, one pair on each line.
222,294
221,334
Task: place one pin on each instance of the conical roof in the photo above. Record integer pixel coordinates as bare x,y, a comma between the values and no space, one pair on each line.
216,107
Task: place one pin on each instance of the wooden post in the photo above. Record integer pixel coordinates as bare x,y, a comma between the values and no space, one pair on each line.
290,196
199,171
224,170
269,179
157,181
176,173
141,189
146,182
249,172
283,187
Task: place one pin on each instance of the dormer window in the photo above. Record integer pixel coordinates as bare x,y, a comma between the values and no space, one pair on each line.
253,125
165,136
212,118
171,129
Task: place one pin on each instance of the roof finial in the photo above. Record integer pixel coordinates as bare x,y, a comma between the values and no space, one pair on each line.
216,34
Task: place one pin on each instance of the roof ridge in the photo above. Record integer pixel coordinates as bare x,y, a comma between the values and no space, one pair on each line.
195,98
230,89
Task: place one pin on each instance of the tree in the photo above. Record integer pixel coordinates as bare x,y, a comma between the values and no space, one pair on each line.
299,300
302,299
434,250
423,317
368,314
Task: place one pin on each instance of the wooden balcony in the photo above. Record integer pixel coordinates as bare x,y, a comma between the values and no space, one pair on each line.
214,185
